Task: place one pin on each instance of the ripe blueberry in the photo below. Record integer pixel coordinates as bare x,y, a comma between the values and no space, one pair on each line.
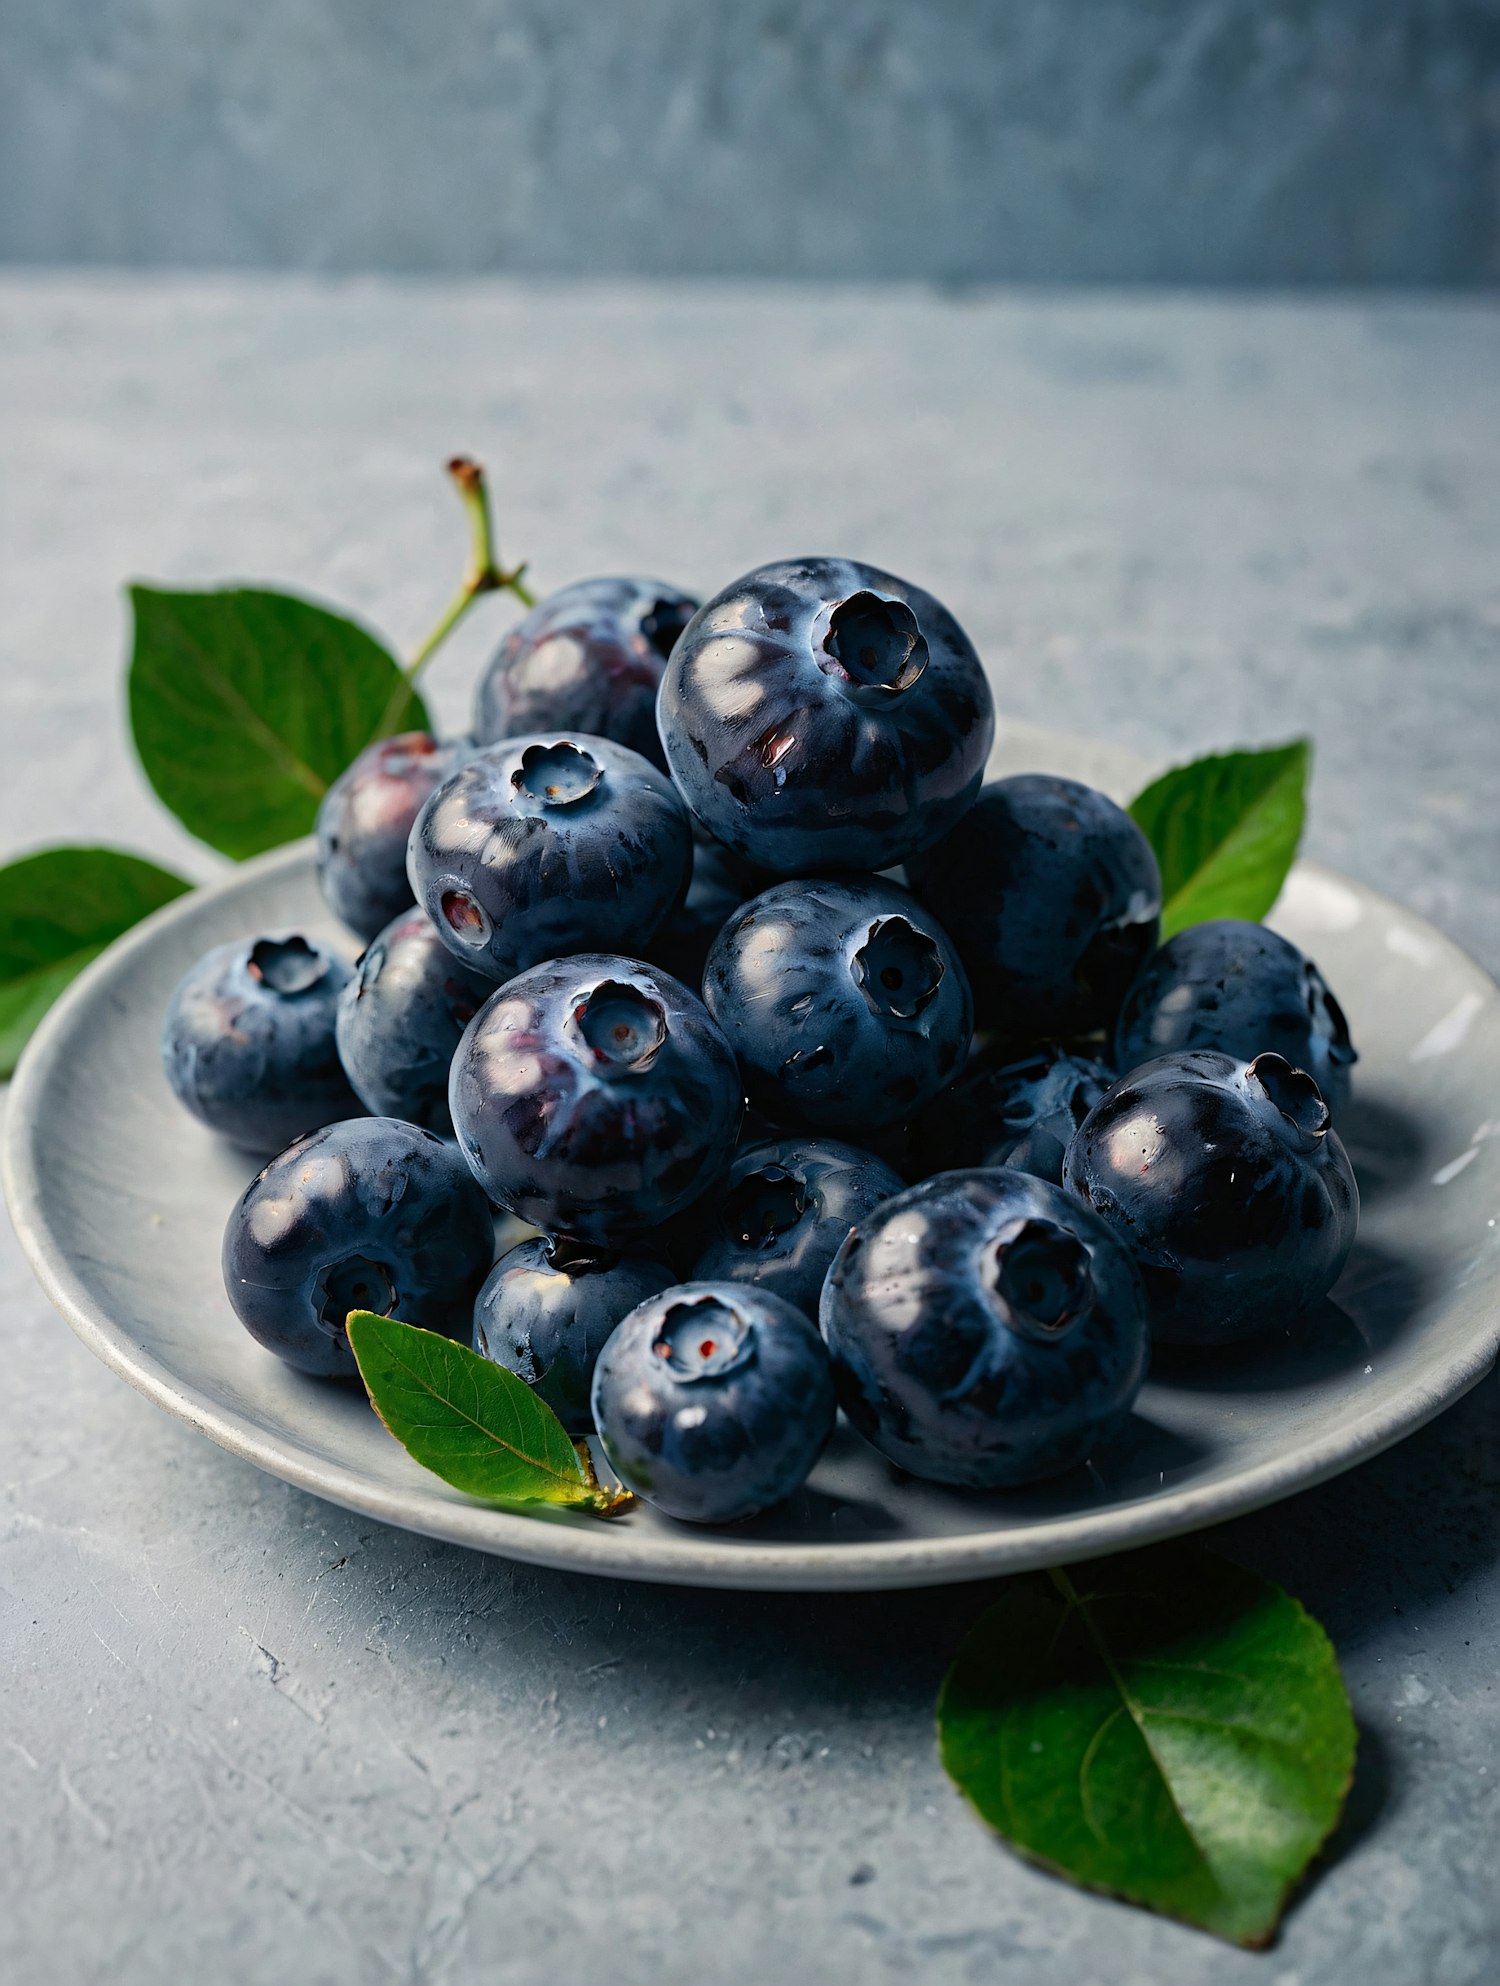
542,846
985,1330
594,1097
1239,988
821,715
364,821
713,1400
371,1214
588,658
1225,1182
1052,896
844,1000
248,1041
400,1019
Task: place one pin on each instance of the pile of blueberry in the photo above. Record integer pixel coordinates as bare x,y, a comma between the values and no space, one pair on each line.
826,1076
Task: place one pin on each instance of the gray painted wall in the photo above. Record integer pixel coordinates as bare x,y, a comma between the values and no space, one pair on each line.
1181,140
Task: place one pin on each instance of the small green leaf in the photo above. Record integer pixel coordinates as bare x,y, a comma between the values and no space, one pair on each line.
1166,1727
472,1422
245,706
59,908
1225,831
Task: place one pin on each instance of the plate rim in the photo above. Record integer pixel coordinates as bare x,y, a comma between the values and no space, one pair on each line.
593,1546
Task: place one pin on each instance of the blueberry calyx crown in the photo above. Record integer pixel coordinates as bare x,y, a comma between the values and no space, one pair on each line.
621,1029
1041,1275
764,1206
898,969
287,966
663,622
355,1283
877,646
557,775
1295,1095
703,1337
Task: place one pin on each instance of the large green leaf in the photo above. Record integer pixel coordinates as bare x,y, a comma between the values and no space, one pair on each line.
1166,1727
472,1422
246,705
1225,830
59,909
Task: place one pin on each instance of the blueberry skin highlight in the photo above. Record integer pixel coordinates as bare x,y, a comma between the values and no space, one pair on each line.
1017,1111
546,1310
546,845
248,1041
1224,1181
1052,896
821,715
782,1212
1239,988
364,822
594,1097
400,1019
985,1330
844,1000
371,1214
713,1401
587,658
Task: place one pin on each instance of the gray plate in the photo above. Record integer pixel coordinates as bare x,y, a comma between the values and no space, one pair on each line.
120,1200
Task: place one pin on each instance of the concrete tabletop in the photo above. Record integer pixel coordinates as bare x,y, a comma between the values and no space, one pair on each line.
245,1737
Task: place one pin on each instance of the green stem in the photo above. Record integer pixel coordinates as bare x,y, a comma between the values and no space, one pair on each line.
485,575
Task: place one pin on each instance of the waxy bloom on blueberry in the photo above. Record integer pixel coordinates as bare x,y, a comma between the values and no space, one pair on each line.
401,1017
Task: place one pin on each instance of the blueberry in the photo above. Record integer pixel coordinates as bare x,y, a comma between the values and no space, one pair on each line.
1004,1110
546,1310
400,1019
721,881
820,715
588,658
1228,1187
781,1214
248,1041
364,821
713,1401
985,1329
1239,988
1052,896
371,1214
594,1097
845,1002
542,846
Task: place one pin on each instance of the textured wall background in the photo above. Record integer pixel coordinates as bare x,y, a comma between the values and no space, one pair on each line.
1185,140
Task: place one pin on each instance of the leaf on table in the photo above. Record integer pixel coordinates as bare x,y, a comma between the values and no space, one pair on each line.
1225,830
59,909
471,1422
1166,1727
246,705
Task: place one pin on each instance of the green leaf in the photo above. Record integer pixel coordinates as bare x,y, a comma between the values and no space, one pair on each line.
59,908
1166,1727
1225,831
246,706
472,1422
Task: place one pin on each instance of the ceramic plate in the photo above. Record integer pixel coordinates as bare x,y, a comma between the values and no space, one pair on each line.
120,1200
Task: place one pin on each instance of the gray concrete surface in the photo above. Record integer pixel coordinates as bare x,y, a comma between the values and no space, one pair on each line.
246,1738
1141,140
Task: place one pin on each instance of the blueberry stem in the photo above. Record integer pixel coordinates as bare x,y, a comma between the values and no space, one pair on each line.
485,575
